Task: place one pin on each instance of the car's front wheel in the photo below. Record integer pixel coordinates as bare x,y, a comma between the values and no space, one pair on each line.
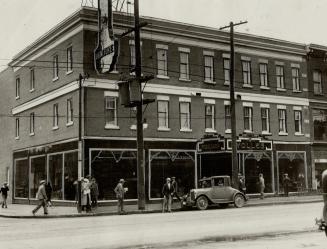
202,203
239,201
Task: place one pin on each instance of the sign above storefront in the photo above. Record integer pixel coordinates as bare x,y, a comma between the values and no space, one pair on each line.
211,144
252,144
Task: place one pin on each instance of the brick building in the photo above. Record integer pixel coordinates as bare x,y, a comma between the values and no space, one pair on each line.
187,129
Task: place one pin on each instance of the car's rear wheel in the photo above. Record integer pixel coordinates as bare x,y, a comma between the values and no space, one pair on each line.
239,201
202,203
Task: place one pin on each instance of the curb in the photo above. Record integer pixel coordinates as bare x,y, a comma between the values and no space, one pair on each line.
144,211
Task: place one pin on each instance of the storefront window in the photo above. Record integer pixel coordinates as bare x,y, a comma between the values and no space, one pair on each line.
168,164
71,175
55,175
21,179
38,173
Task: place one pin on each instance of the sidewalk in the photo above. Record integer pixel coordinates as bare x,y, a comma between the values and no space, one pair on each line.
25,211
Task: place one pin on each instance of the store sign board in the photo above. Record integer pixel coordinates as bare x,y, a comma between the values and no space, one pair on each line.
107,51
250,144
211,145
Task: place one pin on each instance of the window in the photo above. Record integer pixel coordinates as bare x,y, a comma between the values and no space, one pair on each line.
265,119
280,77
282,120
246,69
32,79
317,89
208,68
295,79
70,111
55,116
132,62
263,72
55,67
162,62
248,118
226,70
163,110
228,123
69,59
298,121
184,66
17,128
319,124
110,111
185,115
17,88
210,116
32,123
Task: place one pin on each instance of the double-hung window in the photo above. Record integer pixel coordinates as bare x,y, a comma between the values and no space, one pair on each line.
228,123
210,117
17,128
32,79
208,67
55,67
69,59
296,79
55,116
110,112
70,112
282,121
185,115
265,120
298,121
184,66
280,76
248,118
317,88
163,114
263,72
162,60
32,123
246,70
226,65
17,88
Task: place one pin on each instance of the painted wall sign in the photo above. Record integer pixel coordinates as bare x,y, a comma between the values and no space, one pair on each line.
107,51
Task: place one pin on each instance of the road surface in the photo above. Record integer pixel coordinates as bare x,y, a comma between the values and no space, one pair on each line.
159,230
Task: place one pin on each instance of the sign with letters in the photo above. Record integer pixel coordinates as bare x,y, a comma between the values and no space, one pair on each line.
254,144
107,51
211,144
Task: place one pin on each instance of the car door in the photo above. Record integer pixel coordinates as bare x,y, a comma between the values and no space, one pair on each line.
220,192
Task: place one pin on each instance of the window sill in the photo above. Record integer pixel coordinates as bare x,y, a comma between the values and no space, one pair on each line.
210,130
298,134
32,134
134,128
69,72
297,91
264,87
187,80
247,86
17,138
163,129
228,131
266,133
226,83
185,130
210,82
281,89
17,97
111,127
69,123
32,90
282,133
55,79
248,131
55,128
164,77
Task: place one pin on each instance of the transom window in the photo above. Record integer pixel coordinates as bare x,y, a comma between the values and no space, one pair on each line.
263,72
280,77
208,69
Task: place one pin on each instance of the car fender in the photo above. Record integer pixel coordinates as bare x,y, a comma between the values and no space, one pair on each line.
202,194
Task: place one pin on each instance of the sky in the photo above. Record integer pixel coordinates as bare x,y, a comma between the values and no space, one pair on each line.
302,21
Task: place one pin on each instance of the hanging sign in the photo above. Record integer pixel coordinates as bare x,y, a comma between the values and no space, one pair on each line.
106,53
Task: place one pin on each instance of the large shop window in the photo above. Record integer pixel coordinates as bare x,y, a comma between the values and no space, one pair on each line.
70,175
108,166
165,164
38,173
320,124
21,179
55,175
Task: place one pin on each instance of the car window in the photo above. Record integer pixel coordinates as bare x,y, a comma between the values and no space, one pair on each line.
219,182
205,184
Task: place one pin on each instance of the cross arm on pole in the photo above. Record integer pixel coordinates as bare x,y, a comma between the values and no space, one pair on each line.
233,24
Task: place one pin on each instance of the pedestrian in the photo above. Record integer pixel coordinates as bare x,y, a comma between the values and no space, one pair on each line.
175,186
85,195
48,191
286,184
261,186
120,194
167,192
42,198
94,193
241,184
4,193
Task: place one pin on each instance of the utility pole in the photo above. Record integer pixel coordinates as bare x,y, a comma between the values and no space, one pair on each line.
80,144
139,112
232,102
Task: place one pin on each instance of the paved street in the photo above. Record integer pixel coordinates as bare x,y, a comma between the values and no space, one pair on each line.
157,230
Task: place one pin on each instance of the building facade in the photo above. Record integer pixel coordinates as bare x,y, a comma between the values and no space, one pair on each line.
186,131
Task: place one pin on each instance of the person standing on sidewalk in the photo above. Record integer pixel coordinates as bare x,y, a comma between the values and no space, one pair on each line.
4,193
42,198
48,191
86,195
167,192
175,186
120,194
94,193
261,186
286,184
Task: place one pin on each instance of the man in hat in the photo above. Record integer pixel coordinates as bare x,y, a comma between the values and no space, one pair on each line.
120,192
175,186
4,192
42,197
286,184
167,192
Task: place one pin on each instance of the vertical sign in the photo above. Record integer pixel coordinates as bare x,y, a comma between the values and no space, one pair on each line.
106,53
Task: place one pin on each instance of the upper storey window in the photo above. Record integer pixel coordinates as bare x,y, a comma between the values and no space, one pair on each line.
246,70
226,65
17,88
162,60
55,67
296,79
317,88
184,67
69,59
208,66
32,79
280,76
263,72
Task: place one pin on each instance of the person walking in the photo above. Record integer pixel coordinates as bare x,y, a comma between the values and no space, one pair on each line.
94,193
48,191
86,195
4,193
175,186
261,186
241,184
167,192
42,198
120,194
286,184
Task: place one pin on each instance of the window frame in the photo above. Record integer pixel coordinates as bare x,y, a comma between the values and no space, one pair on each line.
265,119
315,82
55,117
17,87
17,128
32,124
211,68
228,118
108,109
226,70
248,118
246,72
55,67
32,79
188,116
298,121
280,77
283,120
70,112
166,114
185,64
212,126
296,79
164,61
263,75
69,59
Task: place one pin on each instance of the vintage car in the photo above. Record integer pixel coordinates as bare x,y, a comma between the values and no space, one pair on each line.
214,190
